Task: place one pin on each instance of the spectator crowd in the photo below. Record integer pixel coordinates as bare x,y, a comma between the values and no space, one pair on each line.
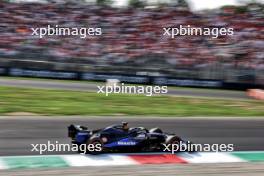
132,36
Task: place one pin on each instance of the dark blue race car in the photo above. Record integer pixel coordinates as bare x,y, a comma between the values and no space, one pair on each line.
120,138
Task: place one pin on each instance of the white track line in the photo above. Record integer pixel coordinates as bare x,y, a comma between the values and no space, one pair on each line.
102,160
210,157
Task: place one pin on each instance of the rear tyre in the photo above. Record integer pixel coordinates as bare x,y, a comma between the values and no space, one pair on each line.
95,146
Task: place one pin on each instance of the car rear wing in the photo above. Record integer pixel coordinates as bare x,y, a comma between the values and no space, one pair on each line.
74,129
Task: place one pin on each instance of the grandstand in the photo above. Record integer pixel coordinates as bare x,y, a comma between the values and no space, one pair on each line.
132,41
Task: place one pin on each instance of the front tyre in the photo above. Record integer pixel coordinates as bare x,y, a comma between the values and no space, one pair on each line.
155,130
173,142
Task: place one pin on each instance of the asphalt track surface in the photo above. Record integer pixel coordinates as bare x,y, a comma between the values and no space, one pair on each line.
88,86
231,169
18,133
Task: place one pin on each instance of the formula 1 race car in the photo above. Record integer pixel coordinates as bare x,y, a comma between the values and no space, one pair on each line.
120,138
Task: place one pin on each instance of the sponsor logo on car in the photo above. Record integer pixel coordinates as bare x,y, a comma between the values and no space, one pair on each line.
126,143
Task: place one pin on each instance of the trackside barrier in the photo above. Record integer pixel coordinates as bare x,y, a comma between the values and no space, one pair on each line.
126,78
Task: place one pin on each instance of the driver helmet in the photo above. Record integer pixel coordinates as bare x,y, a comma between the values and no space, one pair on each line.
125,126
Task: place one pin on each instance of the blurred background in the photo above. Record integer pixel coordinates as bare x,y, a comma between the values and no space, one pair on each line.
132,49
132,40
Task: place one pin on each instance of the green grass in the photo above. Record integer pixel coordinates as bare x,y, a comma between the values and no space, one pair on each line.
57,102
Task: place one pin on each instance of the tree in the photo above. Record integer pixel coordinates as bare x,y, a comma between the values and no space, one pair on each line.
104,2
136,3
183,3
180,3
